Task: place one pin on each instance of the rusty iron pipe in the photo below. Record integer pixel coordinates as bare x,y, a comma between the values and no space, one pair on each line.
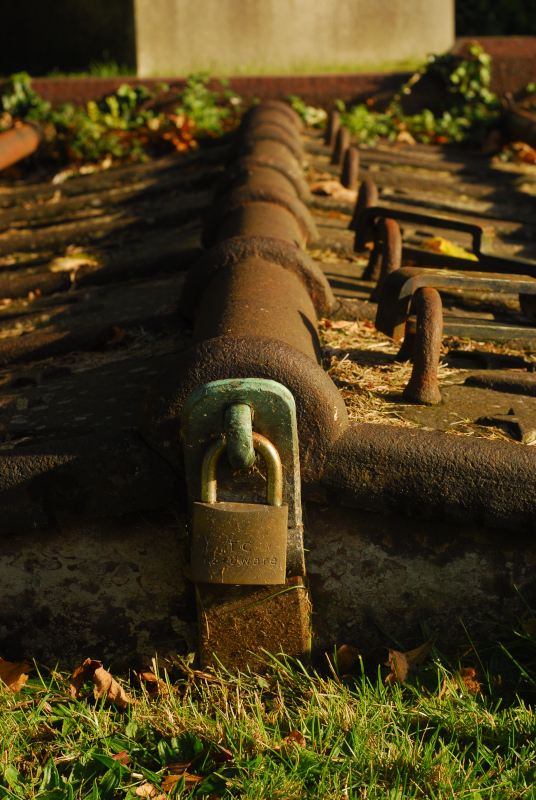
18,143
245,142
264,108
334,123
422,386
342,143
388,233
258,298
350,169
252,210
430,475
256,170
366,198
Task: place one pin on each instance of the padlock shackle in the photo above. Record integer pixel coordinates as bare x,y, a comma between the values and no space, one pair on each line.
274,469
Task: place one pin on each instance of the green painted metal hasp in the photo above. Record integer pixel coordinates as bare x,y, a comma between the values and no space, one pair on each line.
239,436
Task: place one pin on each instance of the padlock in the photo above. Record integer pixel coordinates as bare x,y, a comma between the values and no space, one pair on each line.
240,543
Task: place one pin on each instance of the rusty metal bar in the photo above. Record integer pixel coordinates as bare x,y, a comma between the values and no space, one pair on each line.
367,198
342,143
389,238
422,386
18,143
482,236
332,129
350,169
429,475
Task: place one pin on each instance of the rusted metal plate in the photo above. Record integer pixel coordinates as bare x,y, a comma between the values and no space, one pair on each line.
239,625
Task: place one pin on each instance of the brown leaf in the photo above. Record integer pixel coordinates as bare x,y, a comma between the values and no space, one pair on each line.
119,335
178,767
224,756
122,757
70,263
153,684
81,675
189,780
13,674
417,656
334,189
145,790
467,677
405,137
294,739
105,685
393,665
346,658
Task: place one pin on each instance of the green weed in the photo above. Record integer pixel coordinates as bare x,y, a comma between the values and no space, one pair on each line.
124,127
466,113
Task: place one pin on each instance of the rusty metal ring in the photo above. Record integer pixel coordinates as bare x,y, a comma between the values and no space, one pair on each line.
274,250
244,195
247,164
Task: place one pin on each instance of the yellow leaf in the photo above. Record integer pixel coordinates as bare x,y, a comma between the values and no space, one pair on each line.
440,245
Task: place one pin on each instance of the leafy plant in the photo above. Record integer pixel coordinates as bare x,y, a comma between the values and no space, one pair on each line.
125,125
20,100
312,117
201,106
468,112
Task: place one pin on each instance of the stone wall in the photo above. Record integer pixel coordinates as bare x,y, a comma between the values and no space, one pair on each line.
175,37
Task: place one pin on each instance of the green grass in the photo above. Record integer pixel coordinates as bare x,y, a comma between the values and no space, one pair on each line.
297,68
425,739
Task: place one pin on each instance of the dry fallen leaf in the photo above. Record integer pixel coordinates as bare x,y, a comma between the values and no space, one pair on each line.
345,325
122,757
464,679
524,152
119,335
189,780
105,685
14,674
405,137
148,790
467,677
417,656
152,683
70,263
334,189
294,739
440,245
346,658
393,665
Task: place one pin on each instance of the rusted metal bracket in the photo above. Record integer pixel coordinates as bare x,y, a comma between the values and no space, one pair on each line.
482,237
399,288
412,289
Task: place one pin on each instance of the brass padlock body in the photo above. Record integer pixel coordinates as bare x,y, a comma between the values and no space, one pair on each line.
239,543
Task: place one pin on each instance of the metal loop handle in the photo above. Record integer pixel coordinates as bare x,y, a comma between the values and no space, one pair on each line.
274,468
